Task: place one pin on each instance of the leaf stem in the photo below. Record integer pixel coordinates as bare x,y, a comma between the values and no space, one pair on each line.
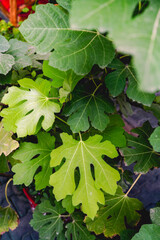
53,98
80,136
61,120
96,89
63,216
6,187
133,184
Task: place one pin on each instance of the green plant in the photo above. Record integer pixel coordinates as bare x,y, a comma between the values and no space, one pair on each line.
100,58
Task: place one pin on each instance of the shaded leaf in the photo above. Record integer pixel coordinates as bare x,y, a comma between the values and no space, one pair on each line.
7,144
27,106
148,232
155,215
8,219
3,164
82,154
140,151
111,219
77,230
78,50
33,156
47,220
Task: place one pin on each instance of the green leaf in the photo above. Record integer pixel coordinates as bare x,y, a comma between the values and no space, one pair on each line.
155,139
127,33
127,234
33,156
4,44
78,50
67,204
116,82
7,144
8,219
81,108
65,4
118,211
140,151
148,232
82,154
76,229
6,63
115,131
3,164
47,220
29,106
155,215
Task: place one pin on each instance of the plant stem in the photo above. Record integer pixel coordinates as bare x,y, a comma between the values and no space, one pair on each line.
63,216
61,120
96,89
53,97
80,136
140,5
6,187
133,184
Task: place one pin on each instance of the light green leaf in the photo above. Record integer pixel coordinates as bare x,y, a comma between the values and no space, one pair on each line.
127,33
29,106
81,108
118,211
155,139
155,215
4,44
47,220
148,232
76,229
7,144
6,63
140,151
33,156
8,219
82,154
65,4
78,50
67,204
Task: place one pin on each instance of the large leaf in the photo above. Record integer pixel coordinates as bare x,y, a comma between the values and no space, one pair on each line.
118,211
80,110
6,63
7,144
33,156
148,232
47,220
27,106
4,44
8,219
140,151
155,139
116,82
76,229
78,50
83,154
128,34
155,215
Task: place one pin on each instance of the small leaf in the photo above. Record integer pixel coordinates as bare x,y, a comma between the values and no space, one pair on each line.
140,151
47,220
155,215
6,63
155,139
82,154
8,219
118,211
27,106
77,230
3,164
81,108
7,144
148,232
4,44
33,156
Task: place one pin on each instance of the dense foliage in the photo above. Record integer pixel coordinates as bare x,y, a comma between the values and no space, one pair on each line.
68,80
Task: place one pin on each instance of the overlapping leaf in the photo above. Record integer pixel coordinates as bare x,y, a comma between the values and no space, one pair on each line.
77,230
7,144
155,139
80,110
83,154
155,215
118,211
8,219
116,82
140,151
148,232
78,50
33,156
47,220
3,164
6,63
4,44
127,33
28,107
